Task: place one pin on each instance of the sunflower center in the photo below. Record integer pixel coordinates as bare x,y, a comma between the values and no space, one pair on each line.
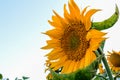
74,42
115,60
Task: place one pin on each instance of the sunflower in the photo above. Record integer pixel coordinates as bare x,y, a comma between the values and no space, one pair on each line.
72,39
114,60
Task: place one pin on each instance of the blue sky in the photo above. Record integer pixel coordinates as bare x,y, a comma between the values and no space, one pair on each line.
21,24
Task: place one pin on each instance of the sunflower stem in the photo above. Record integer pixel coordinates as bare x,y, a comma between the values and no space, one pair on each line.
106,64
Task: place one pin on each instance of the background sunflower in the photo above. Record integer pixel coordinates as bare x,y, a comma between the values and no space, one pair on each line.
114,60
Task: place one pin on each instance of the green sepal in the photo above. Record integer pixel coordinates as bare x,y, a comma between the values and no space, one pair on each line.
82,74
108,23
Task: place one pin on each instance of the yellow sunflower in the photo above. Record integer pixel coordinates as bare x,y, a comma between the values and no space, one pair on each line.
72,40
114,61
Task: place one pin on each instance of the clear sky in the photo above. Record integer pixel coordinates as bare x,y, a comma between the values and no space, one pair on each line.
21,24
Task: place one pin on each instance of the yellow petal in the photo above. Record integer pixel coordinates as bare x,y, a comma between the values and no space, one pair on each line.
66,66
88,16
58,66
53,41
52,44
72,11
82,14
84,10
76,66
66,14
95,43
54,51
62,20
89,57
75,6
56,22
76,9
71,67
55,33
56,56
59,62
82,63
94,34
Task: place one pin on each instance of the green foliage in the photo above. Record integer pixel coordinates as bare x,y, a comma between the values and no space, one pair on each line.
23,78
1,76
108,22
116,75
101,77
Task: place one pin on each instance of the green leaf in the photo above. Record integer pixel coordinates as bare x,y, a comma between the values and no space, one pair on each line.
108,23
